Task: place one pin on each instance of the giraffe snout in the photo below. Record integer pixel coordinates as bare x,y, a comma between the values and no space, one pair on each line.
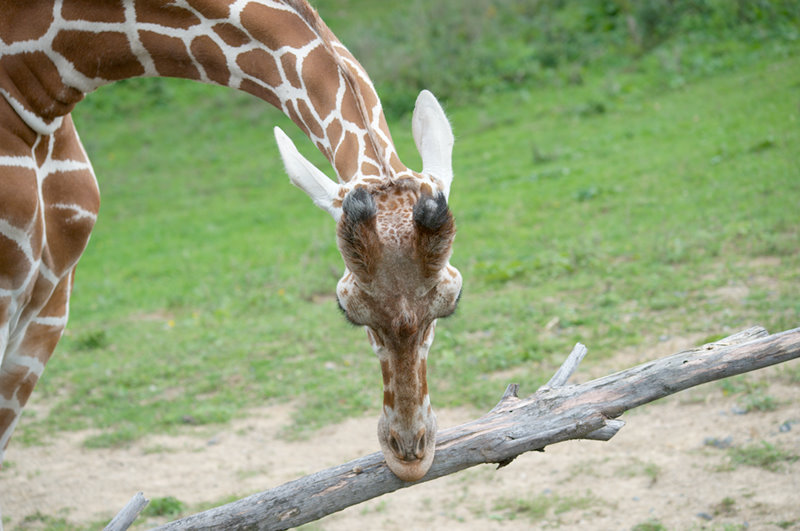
405,449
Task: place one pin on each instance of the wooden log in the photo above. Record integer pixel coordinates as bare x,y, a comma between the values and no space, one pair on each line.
556,412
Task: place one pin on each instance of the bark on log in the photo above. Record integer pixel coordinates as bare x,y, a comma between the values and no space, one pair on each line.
555,413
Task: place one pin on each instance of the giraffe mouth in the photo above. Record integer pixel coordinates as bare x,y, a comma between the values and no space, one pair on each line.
409,457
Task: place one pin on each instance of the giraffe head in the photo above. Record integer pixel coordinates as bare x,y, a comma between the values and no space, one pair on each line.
395,236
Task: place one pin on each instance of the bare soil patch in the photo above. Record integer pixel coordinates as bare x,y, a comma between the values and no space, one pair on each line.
661,466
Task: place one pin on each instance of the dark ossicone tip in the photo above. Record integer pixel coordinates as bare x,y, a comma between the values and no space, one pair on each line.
431,212
359,206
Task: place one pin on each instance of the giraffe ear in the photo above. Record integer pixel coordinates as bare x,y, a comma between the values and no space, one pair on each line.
434,139
308,177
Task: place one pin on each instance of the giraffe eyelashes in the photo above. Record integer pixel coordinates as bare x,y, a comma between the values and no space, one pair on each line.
344,313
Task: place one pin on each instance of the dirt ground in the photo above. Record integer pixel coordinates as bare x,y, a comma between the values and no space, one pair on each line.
662,466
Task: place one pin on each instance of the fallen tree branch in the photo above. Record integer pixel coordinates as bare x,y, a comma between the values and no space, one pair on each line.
128,514
556,412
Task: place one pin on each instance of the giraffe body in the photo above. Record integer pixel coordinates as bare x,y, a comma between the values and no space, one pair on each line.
394,228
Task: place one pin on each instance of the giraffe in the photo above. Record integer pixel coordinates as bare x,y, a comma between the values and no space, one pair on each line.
394,228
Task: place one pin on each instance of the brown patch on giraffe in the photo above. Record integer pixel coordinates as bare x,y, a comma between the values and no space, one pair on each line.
44,91
261,65
11,377
19,199
308,117
170,56
334,132
211,58
260,91
425,189
13,264
321,77
25,388
16,138
422,379
263,23
25,21
289,64
345,161
111,58
165,14
213,9
67,230
367,168
93,11
388,398
232,35
386,372
372,180
7,416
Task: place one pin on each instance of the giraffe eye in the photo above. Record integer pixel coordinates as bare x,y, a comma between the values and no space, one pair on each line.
344,313
454,307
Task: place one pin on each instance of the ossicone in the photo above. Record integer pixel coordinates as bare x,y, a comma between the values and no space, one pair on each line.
359,206
358,235
436,230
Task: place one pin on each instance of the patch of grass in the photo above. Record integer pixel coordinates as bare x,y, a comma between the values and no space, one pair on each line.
166,506
650,525
764,455
726,507
539,507
753,397
39,521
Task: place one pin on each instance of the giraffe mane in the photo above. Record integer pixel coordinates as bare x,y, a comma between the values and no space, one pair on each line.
318,26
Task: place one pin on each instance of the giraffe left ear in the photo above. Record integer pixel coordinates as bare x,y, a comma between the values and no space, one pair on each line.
434,138
308,177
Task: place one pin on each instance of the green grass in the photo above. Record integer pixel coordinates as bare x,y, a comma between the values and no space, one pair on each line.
537,508
620,210
764,455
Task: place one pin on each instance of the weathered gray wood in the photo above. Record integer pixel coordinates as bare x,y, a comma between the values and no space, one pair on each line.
555,413
569,366
128,514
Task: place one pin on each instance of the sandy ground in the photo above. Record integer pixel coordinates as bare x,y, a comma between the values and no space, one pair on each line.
659,467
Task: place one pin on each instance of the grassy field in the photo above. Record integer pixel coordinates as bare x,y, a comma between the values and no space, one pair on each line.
617,211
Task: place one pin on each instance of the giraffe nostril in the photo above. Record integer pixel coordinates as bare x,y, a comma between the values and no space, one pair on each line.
419,447
394,444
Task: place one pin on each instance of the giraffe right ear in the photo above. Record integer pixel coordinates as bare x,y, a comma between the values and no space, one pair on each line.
434,138
308,177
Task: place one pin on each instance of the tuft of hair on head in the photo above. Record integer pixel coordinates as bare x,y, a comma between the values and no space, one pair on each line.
436,230
431,212
359,206
358,234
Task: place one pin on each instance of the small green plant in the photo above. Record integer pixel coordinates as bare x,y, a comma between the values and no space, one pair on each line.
92,340
39,520
167,506
538,507
764,455
650,525
726,507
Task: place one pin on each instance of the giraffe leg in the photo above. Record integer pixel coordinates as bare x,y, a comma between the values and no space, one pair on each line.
26,358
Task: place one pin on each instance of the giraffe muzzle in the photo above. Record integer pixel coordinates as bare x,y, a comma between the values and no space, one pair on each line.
408,452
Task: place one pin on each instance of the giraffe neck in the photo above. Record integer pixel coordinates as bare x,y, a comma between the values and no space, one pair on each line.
280,52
